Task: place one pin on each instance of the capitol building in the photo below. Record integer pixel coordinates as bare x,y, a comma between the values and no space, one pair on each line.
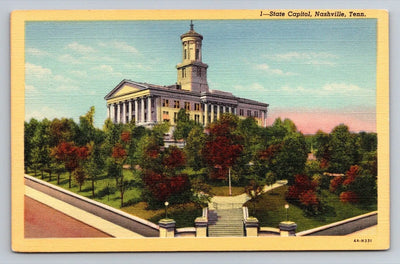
147,104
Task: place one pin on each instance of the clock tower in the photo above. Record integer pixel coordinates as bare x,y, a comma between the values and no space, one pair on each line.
192,72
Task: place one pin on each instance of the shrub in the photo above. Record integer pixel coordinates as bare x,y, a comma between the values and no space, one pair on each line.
336,184
349,196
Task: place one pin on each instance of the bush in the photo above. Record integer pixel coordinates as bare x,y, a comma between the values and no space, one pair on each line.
336,184
349,196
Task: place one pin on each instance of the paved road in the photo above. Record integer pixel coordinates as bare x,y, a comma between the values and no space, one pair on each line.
42,221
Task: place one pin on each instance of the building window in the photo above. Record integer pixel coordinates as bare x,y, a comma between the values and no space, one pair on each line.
176,104
165,103
187,106
241,112
197,54
255,113
248,112
197,119
175,117
197,107
185,54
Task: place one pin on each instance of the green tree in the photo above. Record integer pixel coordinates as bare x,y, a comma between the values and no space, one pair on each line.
290,157
41,147
183,125
94,165
194,145
343,149
29,143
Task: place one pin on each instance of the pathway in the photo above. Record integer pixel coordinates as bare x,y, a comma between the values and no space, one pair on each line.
226,213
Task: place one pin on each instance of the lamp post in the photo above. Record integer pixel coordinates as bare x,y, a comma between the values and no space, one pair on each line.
230,185
166,206
287,207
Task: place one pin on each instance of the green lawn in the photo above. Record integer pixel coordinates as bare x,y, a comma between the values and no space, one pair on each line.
270,210
224,190
107,193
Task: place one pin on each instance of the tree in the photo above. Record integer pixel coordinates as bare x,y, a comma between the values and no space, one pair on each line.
343,149
223,146
29,144
163,179
119,155
270,179
289,157
66,152
323,149
184,125
41,147
194,144
254,190
94,164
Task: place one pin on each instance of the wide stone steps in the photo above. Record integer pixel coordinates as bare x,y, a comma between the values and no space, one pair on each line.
229,223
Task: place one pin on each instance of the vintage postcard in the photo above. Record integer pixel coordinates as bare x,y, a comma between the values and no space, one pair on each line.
200,130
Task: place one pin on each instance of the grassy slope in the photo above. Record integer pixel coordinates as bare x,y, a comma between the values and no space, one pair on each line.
184,215
270,210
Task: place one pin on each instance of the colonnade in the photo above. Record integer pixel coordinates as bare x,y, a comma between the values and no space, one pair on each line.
147,110
140,109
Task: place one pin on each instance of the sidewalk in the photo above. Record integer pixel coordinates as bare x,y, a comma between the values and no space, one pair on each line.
238,200
81,215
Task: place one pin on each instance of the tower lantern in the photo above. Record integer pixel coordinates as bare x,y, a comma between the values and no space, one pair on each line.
192,72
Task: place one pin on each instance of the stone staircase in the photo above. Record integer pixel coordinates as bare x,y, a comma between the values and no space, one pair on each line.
226,223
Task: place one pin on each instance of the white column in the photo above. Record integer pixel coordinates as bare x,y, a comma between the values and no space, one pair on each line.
118,113
108,111
112,113
123,112
149,119
229,109
129,111
224,109
205,114
265,118
212,113
142,110
158,109
218,112
136,111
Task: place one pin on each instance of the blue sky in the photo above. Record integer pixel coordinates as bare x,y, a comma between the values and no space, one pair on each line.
317,72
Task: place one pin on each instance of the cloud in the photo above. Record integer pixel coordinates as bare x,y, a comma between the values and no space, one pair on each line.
124,47
67,58
79,74
107,69
43,112
266,68
289,89
36,52
37,71
120,45
341,88
315,58
66,87
75,46
251,87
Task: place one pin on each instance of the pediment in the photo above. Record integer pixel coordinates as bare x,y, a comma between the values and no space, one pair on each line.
125,87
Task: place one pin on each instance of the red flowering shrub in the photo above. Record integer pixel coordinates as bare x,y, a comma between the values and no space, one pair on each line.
349,196
126,136
162,188
351,175
309,198
303,193
336,182
118,152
